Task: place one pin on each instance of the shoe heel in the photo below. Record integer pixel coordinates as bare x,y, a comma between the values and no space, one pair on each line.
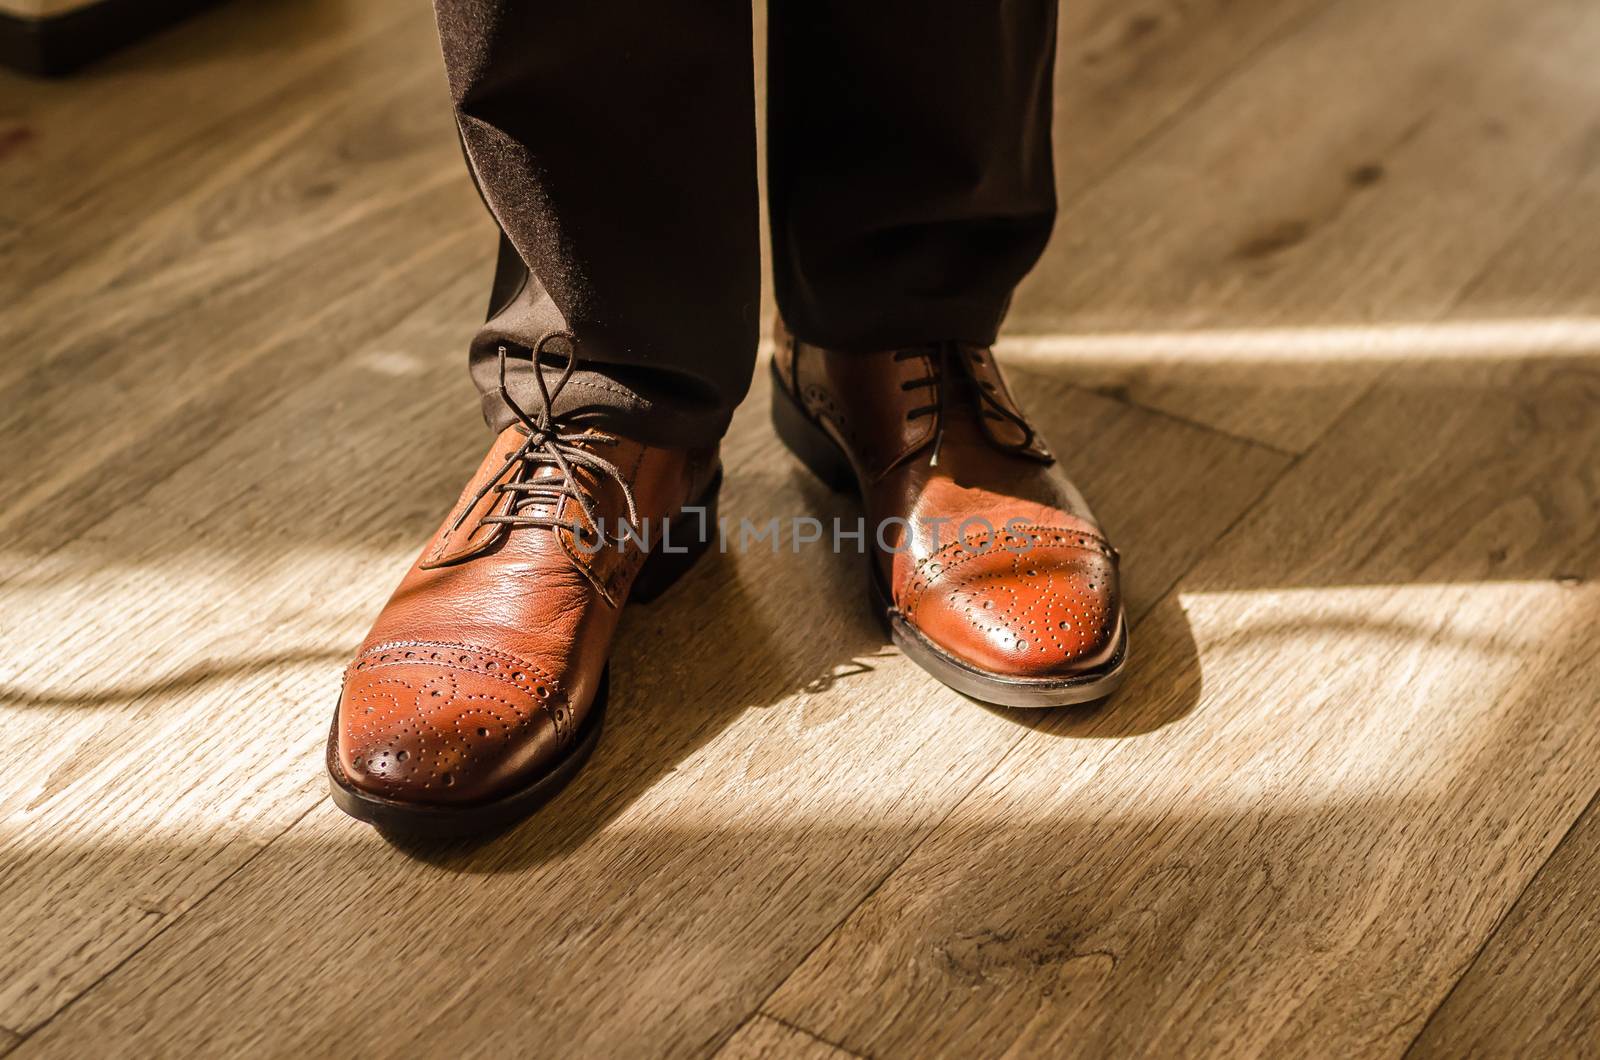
684,531
808,442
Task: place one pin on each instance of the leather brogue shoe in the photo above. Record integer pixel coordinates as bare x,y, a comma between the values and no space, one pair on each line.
482,686
987,564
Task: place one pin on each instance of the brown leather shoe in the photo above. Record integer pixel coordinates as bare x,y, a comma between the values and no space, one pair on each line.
482,686
988,565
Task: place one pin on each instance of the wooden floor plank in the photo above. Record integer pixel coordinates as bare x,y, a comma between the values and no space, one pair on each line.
1535,988
1532,991
1355,178
1123,72
208,268
174,711
96,145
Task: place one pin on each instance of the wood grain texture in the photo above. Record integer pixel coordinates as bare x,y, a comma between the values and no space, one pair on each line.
177,713
1124,71
1535,989
223,251
67,150
229,255
764,1038
241,264
1355,177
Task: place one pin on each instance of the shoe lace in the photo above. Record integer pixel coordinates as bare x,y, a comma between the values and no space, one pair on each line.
548,445
951,371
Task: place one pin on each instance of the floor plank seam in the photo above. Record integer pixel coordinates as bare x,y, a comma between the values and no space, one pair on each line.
1487,270
813,1035
1121,397
1592,806
1243,514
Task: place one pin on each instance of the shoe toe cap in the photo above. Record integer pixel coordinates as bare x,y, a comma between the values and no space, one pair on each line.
1053,611
422,728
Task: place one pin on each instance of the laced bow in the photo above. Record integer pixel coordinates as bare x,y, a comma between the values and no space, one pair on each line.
951,371
547,445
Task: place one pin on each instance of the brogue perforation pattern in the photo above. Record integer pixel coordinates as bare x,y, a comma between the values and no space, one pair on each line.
820,403
1033,605
388,711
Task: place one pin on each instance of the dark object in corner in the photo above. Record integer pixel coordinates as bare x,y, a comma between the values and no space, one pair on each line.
59,44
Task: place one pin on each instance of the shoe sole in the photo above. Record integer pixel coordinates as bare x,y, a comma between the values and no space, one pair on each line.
820,455
444,821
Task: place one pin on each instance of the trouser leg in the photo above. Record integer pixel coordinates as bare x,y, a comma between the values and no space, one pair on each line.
910,171
613,141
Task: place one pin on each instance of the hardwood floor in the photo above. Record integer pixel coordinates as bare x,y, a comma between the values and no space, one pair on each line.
1319,334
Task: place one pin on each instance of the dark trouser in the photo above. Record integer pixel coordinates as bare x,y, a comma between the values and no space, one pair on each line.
614,142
